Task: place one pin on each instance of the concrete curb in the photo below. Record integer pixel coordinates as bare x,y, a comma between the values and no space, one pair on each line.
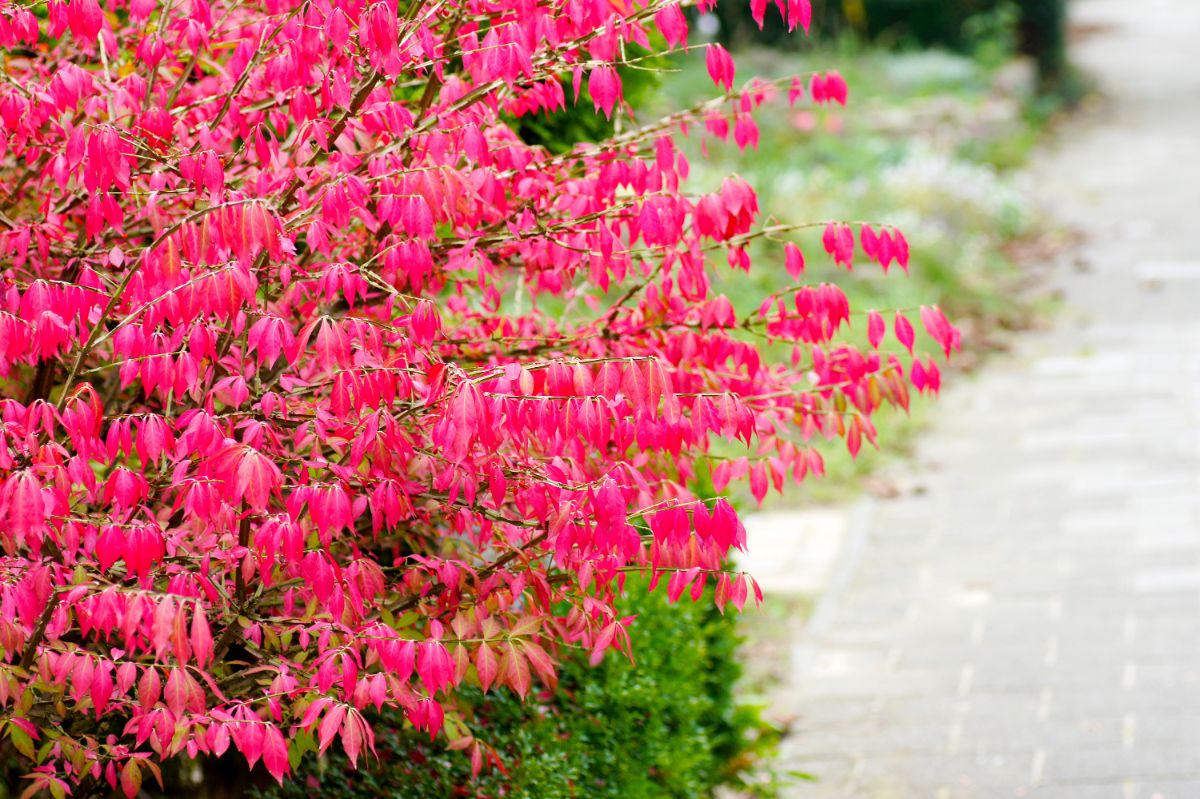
858,530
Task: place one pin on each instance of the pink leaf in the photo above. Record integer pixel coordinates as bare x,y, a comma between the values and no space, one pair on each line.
720,66
793,260
516,669
672,24
904,331
604,85
603,641
876,328
330,726
201,637
486,665
256,478
352,736
176,694
275,752
25,508
131,778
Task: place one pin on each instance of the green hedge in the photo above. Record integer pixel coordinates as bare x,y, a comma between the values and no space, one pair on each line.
578,121
666,728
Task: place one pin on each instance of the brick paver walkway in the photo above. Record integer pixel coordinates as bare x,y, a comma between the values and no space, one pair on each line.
1030,626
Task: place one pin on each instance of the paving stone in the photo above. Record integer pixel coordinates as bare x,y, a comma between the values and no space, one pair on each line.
1106,790
1174,789
965,775
833,775
1029,626
877,739
1177,761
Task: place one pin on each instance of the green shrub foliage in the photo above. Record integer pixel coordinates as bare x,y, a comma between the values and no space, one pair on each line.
667,728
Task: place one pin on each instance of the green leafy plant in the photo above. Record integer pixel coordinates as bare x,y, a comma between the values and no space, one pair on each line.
667,727
991,36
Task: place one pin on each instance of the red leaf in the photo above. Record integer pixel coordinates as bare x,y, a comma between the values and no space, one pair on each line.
275,752
131,778
201,637
870,241
876,328
901,249
938,327
672,24
603,641
329,726
758,481
149,687
176,694
541,662
257,477
720,66
434,666
634,385
854,437
352,736
917,374
793,260
604,85
485,665
904,331
737,592
515,669
26,509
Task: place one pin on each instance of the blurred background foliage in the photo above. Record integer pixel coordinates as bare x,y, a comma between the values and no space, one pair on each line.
1037,27
932,141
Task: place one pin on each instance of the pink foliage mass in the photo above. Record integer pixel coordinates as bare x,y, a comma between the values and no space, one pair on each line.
323,391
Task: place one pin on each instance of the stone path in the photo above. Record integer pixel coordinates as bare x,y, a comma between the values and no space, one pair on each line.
1030,626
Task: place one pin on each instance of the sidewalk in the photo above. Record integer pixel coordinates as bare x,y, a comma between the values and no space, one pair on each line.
1030,625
